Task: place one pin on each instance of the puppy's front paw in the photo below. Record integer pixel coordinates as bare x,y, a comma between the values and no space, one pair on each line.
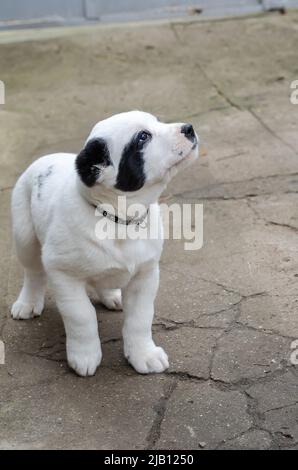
149,360
23,310
84,360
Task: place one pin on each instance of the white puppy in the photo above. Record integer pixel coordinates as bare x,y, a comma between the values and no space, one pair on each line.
54,220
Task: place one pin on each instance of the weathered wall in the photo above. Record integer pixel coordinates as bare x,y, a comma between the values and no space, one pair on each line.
69,10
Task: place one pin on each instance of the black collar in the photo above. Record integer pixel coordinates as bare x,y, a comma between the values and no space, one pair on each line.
119,220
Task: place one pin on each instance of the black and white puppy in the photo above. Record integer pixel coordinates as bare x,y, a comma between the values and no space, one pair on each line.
54,218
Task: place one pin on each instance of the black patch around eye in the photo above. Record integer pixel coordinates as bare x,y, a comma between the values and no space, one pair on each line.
131,175
95,153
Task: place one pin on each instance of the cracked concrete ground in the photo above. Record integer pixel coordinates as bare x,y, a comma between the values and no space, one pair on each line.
227,314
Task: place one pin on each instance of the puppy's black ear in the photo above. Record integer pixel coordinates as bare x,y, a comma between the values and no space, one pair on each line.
91,161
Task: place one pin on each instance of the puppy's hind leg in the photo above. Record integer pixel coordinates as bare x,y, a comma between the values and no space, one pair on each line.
110,298
30,302
80,321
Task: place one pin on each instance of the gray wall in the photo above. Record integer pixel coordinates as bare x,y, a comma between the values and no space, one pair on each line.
29,9
93,9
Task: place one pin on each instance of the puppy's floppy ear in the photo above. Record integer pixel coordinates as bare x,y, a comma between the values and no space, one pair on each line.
91,161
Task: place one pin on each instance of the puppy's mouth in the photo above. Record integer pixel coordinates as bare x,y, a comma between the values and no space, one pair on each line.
187,156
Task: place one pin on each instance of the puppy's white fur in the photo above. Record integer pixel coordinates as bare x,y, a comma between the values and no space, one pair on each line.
54,231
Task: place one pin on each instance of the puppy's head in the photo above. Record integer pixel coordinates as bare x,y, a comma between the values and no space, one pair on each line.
132,150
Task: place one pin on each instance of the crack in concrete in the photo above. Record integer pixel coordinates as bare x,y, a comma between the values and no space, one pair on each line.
252,407
51,355
232,103
287,435
226,441
176,325
218,90
235,323
252,208
253,411
160,409
231,290
269,222
270,130
215,348
229,328
243,326
230,309
278,224
223,94
45,357
176,34
244,383
184,376
281,407
217,284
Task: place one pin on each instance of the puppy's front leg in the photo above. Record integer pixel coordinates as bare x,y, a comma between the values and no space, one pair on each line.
138,305
79,317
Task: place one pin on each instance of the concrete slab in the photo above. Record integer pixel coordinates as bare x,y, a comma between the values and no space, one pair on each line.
206,421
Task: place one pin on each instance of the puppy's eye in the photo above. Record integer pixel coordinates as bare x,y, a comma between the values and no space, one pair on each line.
143,137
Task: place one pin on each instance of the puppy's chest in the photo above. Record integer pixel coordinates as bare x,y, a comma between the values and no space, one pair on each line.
124,258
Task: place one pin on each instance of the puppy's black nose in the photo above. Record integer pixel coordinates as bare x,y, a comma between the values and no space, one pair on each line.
189,132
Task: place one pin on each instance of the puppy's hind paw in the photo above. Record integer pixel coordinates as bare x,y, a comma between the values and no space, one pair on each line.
111,299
